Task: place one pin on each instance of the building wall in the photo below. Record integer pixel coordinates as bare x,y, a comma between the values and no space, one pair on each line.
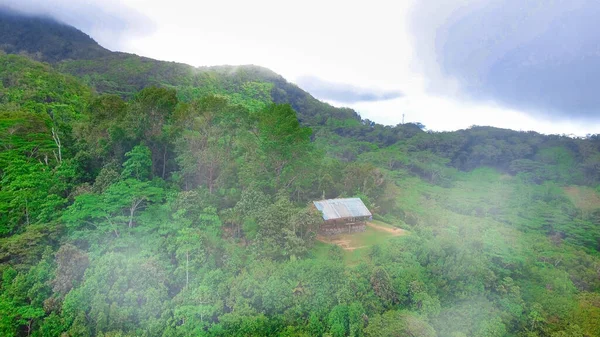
342,228
339,222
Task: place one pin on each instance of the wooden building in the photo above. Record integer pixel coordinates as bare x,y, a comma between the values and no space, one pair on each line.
343,215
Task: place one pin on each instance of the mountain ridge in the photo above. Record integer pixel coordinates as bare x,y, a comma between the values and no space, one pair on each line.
74,52
44,38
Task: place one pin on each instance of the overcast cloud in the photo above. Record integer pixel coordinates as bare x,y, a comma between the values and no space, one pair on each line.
109,22
542,57
525,65
344,93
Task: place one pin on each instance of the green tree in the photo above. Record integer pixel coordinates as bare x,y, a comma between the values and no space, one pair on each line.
283,144
138,164
382,285
115,209
71,263
398,324
29,193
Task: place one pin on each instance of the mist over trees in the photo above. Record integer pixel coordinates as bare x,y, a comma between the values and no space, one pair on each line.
146,198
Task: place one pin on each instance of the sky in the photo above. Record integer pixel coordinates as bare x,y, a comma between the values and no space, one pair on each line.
518,64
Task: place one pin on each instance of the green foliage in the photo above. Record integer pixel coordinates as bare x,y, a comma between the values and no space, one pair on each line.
22,296
177,202
71,264
25,134
283,143
35,87
138,164
393,323
30,193
139,300
45,39
113,211
285,232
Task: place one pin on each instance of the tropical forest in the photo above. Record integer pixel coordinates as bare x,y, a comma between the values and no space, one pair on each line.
151,198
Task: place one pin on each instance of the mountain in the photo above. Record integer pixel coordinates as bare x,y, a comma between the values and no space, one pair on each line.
44,38
125,74
149,198
76,53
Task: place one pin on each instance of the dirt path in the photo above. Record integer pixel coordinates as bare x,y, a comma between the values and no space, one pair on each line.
393,231
344,243
354,241
354,248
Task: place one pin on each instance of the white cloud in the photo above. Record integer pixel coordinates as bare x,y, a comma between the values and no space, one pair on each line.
350,42
107,21
444,114
359,43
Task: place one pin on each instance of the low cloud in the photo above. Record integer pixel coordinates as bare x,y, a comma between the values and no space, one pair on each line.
344,93
108,22
542,57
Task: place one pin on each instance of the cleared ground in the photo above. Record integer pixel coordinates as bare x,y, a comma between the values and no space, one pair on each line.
585,198
374,233
354,244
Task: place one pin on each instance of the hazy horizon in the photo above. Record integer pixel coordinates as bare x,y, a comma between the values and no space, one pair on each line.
523,68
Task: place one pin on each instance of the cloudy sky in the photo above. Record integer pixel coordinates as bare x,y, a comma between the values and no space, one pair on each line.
449,64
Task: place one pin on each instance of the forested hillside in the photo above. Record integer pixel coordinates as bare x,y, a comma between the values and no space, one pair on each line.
148,198
44,39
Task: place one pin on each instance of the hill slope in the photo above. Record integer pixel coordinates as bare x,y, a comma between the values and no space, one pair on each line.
45,39
181,207
125,74
112,72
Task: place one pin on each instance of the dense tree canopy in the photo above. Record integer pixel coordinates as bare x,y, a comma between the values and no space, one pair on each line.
144,198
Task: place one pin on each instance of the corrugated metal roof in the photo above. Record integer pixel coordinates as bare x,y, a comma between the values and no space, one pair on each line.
342,208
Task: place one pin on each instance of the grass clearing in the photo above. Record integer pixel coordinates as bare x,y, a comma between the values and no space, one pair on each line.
354,244
583,197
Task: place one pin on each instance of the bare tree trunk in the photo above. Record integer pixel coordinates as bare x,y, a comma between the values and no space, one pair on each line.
113,226
57,141
164,162
212,168
210,180
187,269
134,205
131,211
